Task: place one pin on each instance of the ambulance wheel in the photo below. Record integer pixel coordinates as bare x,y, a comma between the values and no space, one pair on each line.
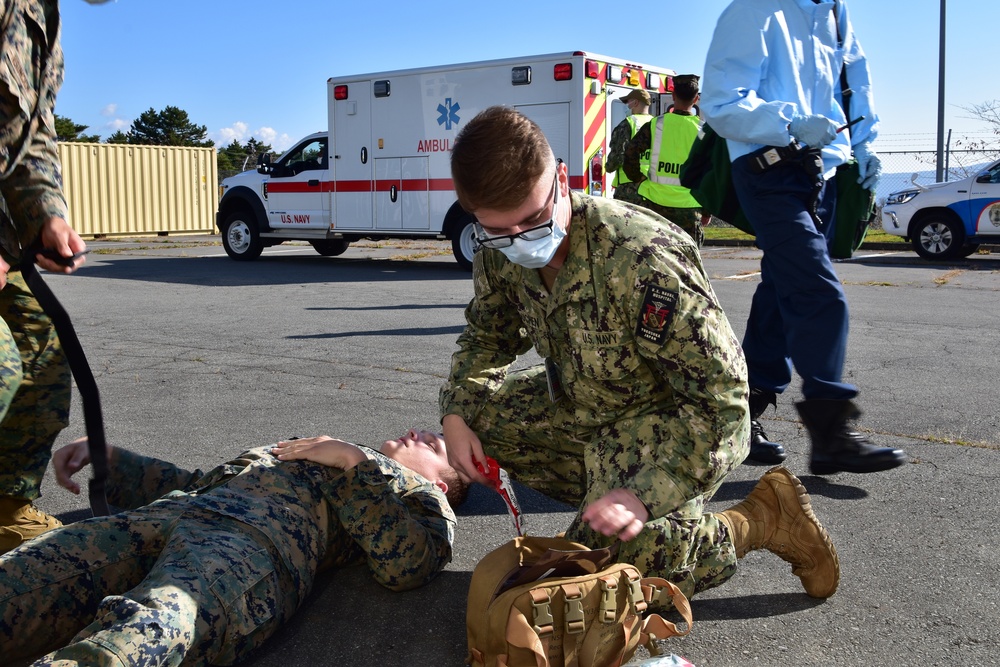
240,238
331,248
938,236
463,245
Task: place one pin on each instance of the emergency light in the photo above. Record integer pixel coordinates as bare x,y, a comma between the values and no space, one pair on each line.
340,92
520,76
593,69
562,72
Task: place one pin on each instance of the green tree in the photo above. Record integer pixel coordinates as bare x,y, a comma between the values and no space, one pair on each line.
118,137
67,130
170,127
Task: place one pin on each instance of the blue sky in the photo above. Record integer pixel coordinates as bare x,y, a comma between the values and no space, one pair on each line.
255,68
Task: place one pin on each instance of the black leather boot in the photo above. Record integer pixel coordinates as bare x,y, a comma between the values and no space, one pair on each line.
836,447
762,450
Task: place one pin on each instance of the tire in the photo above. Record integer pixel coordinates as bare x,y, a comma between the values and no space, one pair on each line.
938,237
968,249
330,248
463,244
240,237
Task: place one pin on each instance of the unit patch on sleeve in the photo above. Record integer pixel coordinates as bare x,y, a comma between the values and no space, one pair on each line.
656,314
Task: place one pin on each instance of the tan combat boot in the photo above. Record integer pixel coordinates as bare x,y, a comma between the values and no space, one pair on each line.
20,521
777,516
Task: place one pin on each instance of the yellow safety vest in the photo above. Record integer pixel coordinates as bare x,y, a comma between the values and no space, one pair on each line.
636,121
671,136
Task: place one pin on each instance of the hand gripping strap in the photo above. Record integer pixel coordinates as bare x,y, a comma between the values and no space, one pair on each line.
85,382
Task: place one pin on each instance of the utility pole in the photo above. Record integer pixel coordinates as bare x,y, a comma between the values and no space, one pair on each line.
939,175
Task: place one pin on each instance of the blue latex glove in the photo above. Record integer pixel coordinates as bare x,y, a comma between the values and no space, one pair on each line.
869,165
814,131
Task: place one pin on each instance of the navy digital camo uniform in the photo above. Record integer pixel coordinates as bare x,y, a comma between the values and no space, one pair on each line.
34,375
206,574
653,384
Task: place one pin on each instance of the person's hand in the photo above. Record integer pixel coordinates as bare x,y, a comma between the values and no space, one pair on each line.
617,513
813,130
869,165
71,459
464,448
322,449
58,236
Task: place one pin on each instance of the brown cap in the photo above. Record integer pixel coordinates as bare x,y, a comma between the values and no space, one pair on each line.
636,94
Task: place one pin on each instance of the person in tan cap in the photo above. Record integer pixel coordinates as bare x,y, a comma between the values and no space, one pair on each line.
638,102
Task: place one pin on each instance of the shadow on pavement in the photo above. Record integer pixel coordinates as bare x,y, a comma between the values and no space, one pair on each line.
223,272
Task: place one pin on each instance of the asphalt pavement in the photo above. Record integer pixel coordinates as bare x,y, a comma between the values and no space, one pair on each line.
199,357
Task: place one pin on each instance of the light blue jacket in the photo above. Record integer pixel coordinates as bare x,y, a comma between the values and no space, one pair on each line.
772,59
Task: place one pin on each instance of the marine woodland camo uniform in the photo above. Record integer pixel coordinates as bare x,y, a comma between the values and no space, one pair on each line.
34,374
209,572
649,378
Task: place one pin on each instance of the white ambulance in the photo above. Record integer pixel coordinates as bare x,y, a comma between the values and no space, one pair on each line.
382,169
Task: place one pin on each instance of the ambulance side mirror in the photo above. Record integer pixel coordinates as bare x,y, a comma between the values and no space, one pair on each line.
264,163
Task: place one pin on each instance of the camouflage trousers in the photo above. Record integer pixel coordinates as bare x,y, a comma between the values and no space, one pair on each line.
686,546
688,219
152,586
34,390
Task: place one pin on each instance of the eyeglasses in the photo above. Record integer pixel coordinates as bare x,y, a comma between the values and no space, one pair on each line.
533,234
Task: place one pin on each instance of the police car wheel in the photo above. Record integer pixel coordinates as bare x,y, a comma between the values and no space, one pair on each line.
938,237
241,239
464,246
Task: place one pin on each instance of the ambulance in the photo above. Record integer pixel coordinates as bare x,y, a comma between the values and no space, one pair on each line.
382,168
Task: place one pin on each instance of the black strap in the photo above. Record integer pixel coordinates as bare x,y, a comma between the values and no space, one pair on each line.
845,88
85,382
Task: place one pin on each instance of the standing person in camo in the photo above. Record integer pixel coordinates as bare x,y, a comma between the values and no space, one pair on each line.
654,157
638,102
34,374
772,76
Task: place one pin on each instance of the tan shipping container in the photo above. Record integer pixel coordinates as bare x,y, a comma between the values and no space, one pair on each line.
126,190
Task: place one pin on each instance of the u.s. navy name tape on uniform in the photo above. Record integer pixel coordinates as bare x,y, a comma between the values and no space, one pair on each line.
215,562
652,376
34,375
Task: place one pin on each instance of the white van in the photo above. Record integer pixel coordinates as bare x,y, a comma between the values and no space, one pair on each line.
947,220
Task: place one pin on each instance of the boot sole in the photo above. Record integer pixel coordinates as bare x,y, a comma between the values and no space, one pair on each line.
833,468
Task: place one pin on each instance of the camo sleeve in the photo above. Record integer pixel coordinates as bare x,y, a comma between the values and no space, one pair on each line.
406,535
684,336
135,480
493,338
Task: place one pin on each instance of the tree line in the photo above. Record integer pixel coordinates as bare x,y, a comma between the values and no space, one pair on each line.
169,127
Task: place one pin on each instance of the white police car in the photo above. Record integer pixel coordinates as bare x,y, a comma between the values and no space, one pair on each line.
947,220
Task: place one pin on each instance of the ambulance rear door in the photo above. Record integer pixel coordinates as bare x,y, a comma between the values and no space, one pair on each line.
351,154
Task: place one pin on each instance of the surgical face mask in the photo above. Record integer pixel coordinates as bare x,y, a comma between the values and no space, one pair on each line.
538,253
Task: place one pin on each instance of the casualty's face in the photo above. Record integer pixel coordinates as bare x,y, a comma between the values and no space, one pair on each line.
422,451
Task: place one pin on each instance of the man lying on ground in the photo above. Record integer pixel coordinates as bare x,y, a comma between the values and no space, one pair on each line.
203,567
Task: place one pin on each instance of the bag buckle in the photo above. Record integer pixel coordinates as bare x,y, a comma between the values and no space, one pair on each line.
635,591
575,623
542,612
609,600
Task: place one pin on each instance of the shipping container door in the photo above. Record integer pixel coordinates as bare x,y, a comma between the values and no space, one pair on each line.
352,159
